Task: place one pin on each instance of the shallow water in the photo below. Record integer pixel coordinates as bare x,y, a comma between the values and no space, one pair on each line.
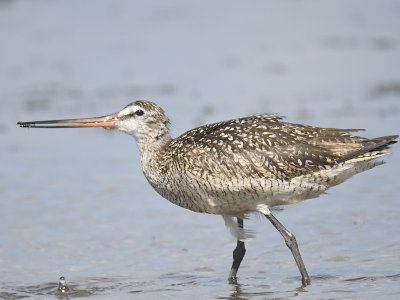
74,203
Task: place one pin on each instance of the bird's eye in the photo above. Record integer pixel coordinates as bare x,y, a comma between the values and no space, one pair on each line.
139,112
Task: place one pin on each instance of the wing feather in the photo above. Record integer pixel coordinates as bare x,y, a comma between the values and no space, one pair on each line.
263,146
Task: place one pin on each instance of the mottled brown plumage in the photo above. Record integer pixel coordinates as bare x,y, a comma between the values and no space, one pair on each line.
240,166
230,167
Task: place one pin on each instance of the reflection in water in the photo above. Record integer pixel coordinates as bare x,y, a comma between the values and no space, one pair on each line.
241,292
237,292
180,284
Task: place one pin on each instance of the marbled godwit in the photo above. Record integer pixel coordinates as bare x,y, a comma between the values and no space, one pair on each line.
240,166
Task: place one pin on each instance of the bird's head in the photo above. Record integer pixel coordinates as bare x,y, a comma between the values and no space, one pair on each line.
142,119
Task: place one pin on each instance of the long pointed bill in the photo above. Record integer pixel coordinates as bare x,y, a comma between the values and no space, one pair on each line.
109,121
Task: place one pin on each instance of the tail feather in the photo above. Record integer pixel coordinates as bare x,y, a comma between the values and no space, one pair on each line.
376,147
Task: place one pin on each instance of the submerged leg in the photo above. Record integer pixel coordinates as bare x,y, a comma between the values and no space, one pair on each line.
238,254
292,244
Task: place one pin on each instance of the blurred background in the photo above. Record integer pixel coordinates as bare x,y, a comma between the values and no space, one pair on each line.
75,202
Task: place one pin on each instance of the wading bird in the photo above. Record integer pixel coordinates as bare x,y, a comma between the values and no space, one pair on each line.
240,166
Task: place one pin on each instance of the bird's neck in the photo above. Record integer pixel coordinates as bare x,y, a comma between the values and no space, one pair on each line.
151,149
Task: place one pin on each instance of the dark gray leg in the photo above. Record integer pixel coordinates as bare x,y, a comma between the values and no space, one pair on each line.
292,244
238,254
